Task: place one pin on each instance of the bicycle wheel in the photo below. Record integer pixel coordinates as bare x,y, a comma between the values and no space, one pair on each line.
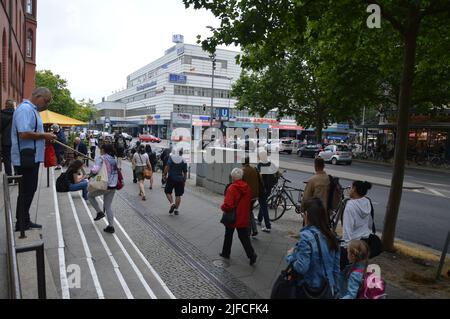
277,207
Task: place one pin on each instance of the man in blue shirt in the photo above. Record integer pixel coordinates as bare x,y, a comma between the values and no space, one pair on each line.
175,173
27,132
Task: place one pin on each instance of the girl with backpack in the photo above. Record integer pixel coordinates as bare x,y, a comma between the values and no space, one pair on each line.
141,162
352,276
76,179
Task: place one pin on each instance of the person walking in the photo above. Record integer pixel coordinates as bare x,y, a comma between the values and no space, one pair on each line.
316,255
165,155
5,130
93,142
76,178
238,197
140,162
269,178
59,149
318,185
175,175
153,161
108,158
27,151
133,151
252,178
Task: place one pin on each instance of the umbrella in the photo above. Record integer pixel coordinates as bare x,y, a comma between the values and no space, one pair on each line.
49,117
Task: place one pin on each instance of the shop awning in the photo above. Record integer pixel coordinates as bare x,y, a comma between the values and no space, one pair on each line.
49,117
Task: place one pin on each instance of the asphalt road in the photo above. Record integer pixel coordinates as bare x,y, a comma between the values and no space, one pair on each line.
424,216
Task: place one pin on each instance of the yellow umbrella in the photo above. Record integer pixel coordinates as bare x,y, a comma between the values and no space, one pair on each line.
49,117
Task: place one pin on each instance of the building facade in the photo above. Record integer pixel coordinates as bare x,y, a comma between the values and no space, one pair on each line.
181,82
18,25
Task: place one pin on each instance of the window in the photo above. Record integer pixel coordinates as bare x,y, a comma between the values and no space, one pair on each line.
29,6
29,49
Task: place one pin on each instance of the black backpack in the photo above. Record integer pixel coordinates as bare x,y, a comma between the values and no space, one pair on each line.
335,194
62,184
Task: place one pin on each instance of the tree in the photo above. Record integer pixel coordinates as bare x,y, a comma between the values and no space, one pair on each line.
405,63
62,102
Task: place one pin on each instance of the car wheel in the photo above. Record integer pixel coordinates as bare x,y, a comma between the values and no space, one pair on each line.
289,152
334,161
349,163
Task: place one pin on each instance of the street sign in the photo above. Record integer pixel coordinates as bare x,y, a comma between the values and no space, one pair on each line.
223,114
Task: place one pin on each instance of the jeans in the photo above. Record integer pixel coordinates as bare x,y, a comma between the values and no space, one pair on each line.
264,210
244,237
93,148
81,186
27,188
108,197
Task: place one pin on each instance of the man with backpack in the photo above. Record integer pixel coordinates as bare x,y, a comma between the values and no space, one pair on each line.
318,185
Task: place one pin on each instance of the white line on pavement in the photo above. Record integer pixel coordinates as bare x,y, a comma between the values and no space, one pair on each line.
87,251
122,281
133,265
61,246
435,192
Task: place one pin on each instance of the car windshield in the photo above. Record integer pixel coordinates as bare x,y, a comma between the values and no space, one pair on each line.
343,148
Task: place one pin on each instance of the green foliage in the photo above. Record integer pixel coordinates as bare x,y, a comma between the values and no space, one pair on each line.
63,103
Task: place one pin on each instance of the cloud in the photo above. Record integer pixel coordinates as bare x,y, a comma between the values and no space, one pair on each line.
96,44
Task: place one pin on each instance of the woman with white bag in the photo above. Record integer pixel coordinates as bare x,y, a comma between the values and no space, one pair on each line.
104,184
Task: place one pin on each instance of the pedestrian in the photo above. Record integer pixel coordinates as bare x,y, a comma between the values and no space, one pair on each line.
108,158
93,142
318,185
6,116
175,175
77,179
120,145
316,265
80,147
140,162
153,161
165,155
252,178
59,149
352,276
357,219
269,177
238,198
27,151
83,136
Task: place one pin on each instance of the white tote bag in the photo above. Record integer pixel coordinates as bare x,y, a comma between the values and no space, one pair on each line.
100,181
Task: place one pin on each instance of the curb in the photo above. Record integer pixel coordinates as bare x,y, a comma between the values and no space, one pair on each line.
419,168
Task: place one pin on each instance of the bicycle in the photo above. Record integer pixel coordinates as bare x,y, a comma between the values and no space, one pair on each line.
278,201
338,213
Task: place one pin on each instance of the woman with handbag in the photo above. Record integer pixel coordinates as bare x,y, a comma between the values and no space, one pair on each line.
106,160
237,201
143,169
358,222
315,258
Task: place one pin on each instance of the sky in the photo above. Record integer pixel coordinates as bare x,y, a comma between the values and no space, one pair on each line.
96,44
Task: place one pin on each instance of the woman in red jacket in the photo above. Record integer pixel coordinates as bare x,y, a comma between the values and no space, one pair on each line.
238,196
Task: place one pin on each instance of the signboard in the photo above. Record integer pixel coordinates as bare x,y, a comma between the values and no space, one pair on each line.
181,119
146,86
178,38
177,78
180,51
223,114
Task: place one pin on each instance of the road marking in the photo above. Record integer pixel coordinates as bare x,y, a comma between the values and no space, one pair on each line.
61,246
435,192
87,251
133,265
119,275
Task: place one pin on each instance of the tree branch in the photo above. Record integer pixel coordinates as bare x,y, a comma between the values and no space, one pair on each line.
388,16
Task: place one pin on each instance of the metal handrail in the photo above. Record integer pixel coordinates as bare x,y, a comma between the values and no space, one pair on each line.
15,291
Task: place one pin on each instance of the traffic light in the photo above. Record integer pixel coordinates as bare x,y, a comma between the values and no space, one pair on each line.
204,107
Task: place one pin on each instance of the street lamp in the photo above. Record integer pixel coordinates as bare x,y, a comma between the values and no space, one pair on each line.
213,59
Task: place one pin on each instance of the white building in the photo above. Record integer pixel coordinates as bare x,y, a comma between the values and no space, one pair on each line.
181,82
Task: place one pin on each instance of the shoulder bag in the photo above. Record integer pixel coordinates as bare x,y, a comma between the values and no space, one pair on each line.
100,181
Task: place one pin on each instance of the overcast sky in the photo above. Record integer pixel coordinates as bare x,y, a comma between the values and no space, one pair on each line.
95,44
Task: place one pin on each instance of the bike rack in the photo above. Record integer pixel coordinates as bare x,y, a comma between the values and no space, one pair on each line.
443,257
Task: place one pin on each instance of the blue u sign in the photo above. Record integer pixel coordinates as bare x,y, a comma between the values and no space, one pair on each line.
224,114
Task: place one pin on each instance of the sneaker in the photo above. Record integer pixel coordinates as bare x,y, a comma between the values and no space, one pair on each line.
151,188
109,230
58,168
100,216
266,230
177,213
253,260
224,256
143,198
34,226
172,209
135,181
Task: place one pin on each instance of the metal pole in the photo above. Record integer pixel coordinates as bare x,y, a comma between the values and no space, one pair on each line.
48,177
444,254
40,265
212,90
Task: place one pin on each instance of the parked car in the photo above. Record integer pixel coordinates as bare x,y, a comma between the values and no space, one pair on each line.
148,138
311,150
335,154
283,145
127,136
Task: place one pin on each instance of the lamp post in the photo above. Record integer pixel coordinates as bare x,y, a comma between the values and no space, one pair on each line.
213,58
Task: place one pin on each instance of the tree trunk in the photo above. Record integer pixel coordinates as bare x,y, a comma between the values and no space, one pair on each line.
406,91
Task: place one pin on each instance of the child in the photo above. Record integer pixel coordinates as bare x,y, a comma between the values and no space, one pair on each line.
353,275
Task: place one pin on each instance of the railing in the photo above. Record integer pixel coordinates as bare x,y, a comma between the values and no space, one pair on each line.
15,291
